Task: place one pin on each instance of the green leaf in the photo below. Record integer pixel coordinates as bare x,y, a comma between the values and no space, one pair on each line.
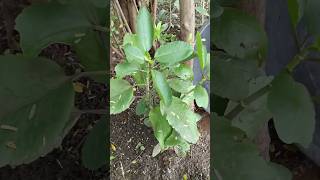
39,100
162,87
48,27
255,115
231,76
292,110
97,59
141,107
202,51
133,54
236,157
201,96
145,29
96,140
173,52
121,95
239,35
131,39
183,71
217,10
296,11
181,86
312,16
183,120
125,69
160,126
202,11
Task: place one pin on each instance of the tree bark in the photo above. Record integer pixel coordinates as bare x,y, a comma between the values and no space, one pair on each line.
257,8
187,22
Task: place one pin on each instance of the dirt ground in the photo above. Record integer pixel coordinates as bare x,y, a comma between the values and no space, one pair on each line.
128,130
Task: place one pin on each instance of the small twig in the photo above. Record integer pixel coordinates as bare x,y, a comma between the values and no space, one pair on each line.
122,16
117,51
239,108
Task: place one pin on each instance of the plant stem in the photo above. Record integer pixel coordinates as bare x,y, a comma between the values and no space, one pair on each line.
240,107
148,86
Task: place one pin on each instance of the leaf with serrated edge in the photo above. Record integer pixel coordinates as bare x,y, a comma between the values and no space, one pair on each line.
160,126
133,54
121,95
173,52
201,96
125,69
145,29
181,86
39,99
292,110
162,87
183,120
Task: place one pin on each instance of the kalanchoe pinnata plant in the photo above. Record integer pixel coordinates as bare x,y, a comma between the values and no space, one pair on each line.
167,84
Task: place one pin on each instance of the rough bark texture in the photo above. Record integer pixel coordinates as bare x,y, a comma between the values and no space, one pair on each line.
132,15
258,9
187,22
154,6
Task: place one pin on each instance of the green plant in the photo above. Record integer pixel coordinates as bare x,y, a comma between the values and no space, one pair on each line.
40,97
246,99
166,82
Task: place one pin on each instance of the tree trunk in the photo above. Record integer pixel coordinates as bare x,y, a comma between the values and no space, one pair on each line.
187,22
257,8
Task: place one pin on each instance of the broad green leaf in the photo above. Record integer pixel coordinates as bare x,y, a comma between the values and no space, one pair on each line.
183,71
231,76
181,86
125,69
131,39
202,11
93,55
39,100
217,10
239,35
236,158
160,126
174,139
292,110
201,51
145,29
133,54
96,141
121,95
255,115
162,87
141,107
173,52
40,25
296,10
183,120
188,98
201,96
312,16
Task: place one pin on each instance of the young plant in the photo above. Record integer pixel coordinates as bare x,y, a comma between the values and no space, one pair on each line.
167,84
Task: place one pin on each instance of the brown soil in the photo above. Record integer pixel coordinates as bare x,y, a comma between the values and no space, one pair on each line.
128,130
